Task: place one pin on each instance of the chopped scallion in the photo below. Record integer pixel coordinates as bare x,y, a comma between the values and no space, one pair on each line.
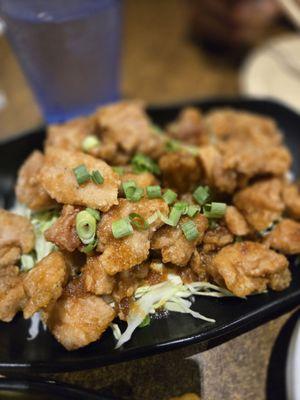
94,213
129,188
142,163
214,210
121,228
169,196
152,218
81,173
90,247
190,230
118,170
146,321
201,194
174,216
86,227
153,192
90,142
97,177
193,210
138,194
173,145
182,206
138,221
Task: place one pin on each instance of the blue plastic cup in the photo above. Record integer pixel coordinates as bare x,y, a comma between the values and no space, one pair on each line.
69,51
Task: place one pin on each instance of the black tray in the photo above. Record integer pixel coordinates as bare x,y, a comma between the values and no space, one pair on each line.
233,316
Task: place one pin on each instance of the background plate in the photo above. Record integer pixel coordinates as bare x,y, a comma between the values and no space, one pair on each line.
233,316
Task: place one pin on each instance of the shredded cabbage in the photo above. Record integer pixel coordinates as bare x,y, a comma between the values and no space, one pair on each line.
35,322
41,221
172,296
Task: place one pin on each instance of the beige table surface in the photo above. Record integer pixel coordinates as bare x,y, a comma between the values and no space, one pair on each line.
160,65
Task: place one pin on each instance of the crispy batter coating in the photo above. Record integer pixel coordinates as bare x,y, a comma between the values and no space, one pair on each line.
199,263
285,237
44,284
180,171
188,127
28,189
12,295
63,232
70,135
59,180
175,248
291,198
122,254
247,267
16,237
260,203
78,319
95,279
215,238
126,124
235,222
142,179
216,174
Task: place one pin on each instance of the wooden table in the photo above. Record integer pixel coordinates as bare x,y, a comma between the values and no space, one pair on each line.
160,65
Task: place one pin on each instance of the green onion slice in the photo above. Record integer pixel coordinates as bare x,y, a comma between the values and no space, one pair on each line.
90,247
153,192
174,216
90,142
146,321
138,221
193,210
94,213
81,173
119,170
182,206
169,196
97,178
214,210
173,145
129,188
190,230
153,218
142,163
86,227
137,195
201,194
121,228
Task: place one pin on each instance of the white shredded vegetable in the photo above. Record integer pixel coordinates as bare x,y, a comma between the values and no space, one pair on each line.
172,296
41,221
34,329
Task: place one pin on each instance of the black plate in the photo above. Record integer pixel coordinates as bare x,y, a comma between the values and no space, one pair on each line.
233,316
33,389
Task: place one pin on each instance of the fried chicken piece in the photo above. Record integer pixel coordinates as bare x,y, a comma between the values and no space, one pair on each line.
188,127
95,279
44,283
281,280
12,295
63,232
199,264
142,179
16,237
235,222
285,237
70,135
127,125
180,171
216,174
123,254
58,179
28,188
215,238
175,248
78,318
260,203
249,160
226,124
247,267
291,198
